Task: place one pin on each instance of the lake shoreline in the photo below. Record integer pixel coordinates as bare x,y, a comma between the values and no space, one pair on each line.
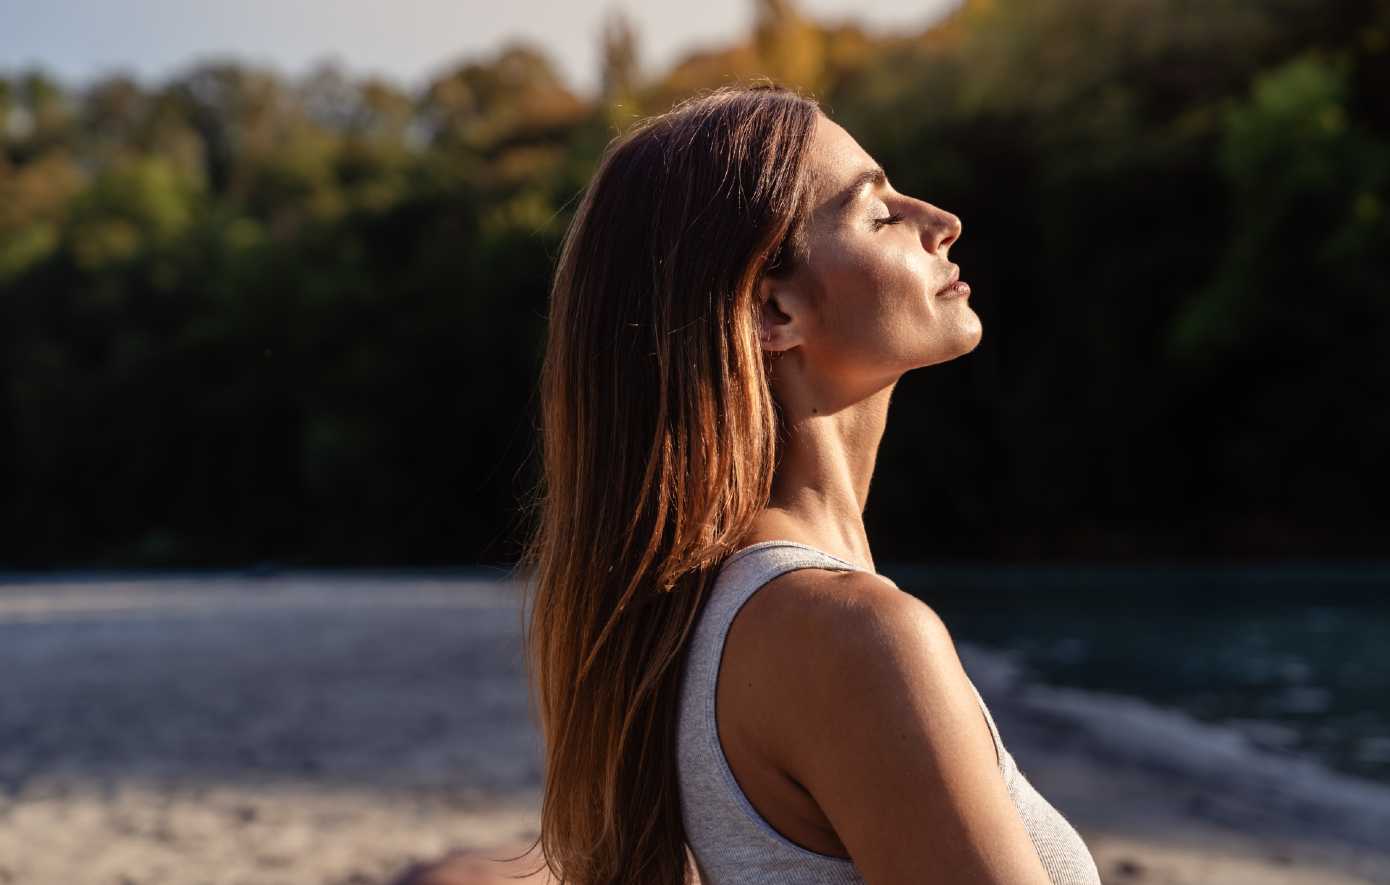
1142,780
337,730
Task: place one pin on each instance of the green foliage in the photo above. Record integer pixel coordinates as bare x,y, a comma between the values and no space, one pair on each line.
310,338
246,319
1298,169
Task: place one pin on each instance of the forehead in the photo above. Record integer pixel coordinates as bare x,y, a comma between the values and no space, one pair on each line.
838,163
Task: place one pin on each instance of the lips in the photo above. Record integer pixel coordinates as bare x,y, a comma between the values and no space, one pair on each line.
954,288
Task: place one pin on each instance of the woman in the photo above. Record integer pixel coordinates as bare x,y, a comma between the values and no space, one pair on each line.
717,665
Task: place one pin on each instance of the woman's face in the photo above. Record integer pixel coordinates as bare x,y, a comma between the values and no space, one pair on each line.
876,294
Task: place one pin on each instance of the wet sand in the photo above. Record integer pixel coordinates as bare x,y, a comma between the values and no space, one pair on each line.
334,729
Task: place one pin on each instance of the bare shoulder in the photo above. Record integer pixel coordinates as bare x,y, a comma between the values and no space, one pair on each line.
817,646
848,617
847,691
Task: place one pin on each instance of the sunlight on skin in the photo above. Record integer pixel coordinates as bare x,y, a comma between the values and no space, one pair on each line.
842,708
877,298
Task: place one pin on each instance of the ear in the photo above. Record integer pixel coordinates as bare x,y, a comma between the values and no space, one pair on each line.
781,315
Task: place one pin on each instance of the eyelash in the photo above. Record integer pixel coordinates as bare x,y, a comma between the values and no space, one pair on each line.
895,218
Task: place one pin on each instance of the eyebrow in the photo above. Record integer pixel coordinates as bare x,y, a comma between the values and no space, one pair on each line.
876,175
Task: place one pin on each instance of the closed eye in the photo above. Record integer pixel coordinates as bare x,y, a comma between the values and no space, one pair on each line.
895,218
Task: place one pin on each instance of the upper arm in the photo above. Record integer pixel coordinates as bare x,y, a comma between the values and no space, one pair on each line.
866,706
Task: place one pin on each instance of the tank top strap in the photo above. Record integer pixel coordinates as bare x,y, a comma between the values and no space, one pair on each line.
730,841
745,573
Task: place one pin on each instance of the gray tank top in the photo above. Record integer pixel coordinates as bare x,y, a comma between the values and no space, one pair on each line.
730,841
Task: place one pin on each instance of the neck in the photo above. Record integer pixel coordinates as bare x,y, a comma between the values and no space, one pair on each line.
823,473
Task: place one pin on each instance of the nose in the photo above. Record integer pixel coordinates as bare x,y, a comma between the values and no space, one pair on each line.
939,229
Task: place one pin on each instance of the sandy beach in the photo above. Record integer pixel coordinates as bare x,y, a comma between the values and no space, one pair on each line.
333,729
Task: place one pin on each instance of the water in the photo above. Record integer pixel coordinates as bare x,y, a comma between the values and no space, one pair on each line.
1296,657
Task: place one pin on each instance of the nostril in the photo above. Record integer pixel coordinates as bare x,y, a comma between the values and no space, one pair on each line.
952,231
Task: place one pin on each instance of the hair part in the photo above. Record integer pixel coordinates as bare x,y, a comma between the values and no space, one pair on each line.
659,439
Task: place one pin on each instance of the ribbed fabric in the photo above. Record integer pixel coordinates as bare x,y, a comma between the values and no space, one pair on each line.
731,843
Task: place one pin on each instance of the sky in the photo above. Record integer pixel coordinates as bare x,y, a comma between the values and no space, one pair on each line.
404,41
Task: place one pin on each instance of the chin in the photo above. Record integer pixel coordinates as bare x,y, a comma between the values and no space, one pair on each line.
971,334
963,337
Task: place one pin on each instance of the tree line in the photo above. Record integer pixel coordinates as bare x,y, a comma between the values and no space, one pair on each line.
246,318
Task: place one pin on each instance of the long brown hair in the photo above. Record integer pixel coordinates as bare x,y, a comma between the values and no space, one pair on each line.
659,440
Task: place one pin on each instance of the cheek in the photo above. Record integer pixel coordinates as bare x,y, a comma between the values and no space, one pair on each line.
875,310
892,296
881,309
876,284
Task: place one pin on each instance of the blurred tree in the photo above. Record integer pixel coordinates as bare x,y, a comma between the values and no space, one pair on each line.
791,49
511,100
243,318
274,350
621,76
1303,293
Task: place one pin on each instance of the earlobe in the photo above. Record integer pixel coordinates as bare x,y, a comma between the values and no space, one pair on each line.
778,328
